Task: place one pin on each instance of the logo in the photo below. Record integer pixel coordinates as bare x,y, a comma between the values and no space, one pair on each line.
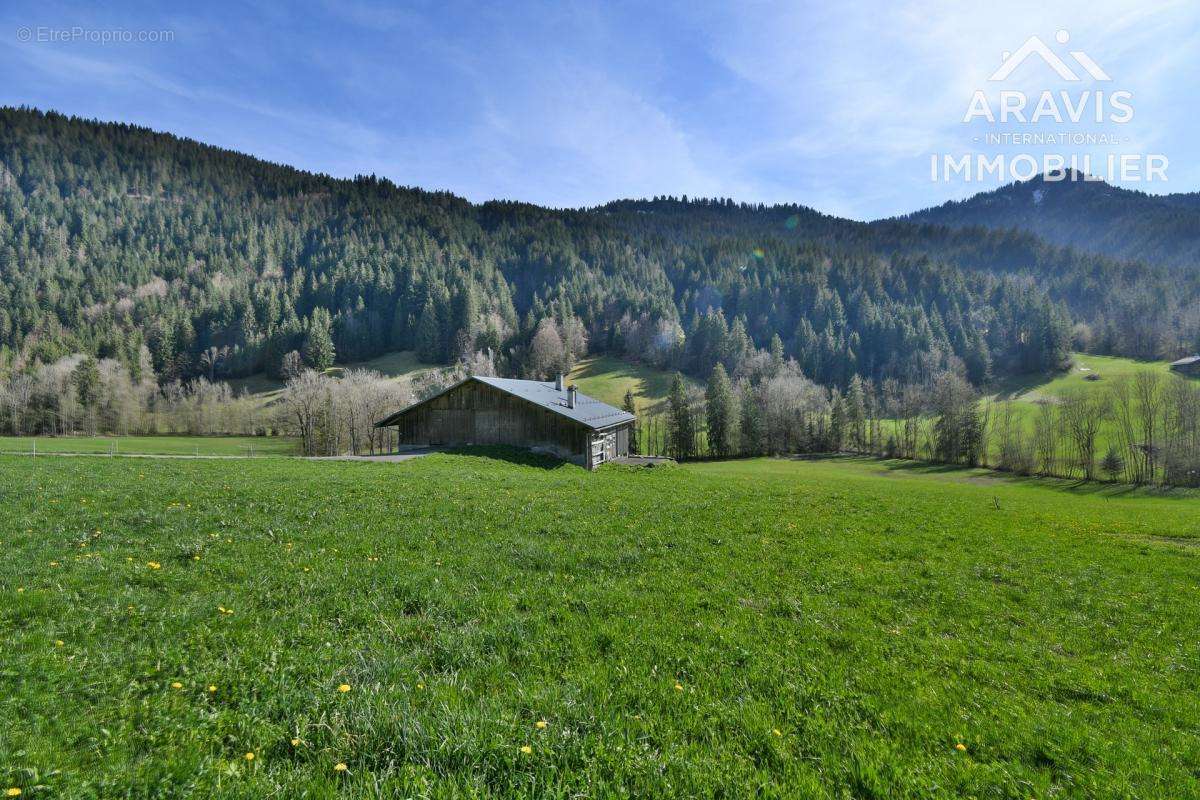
1073,129
1035,46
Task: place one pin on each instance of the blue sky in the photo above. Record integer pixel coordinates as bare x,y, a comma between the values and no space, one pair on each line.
577,103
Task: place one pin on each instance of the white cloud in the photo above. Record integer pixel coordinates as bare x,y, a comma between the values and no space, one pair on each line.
878,87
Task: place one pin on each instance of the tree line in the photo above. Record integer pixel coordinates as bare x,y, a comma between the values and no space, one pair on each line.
1142,428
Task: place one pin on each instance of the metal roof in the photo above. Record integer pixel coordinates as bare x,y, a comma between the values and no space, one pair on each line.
588,411
1183,362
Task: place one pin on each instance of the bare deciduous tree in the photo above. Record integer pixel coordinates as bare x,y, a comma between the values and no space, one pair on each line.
1083,414
303,403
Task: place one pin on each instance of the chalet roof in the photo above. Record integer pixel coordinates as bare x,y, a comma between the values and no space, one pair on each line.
1183,362
588,411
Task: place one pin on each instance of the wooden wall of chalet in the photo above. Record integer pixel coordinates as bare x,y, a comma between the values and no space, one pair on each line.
475,413
608,444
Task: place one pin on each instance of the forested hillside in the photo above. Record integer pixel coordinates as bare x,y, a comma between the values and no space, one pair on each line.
1089,214
179,260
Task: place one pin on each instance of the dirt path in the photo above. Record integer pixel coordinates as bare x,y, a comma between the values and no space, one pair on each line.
407,455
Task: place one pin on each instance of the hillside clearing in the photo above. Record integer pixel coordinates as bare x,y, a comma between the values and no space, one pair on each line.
790,628
1087,372
607,379
264,389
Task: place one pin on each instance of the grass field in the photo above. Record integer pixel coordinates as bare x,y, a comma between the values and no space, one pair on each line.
607,379
392,365
834,628
400,364
1108,368
1027,393
154,445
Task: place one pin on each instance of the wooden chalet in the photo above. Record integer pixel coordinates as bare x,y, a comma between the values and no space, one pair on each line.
541,416
1189,366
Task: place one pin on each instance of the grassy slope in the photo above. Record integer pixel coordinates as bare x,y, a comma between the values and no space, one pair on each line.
1107,367
663,623
402,364
607,378
1027,393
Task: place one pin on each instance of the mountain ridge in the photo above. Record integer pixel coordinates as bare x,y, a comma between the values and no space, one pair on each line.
166,254
1090,215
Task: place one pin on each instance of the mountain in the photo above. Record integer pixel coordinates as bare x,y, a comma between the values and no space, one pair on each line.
1089,215
182,260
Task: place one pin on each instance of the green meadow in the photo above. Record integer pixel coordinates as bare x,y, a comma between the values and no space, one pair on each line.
470,626
1087,372
265,390
607,379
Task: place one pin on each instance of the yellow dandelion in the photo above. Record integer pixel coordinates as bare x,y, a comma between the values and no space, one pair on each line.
679,687
776,731
176,685
960,747
339,767
58,642
212,689
13,792
249,756
526,749
20,589
295,742
345,687
153,565
540,724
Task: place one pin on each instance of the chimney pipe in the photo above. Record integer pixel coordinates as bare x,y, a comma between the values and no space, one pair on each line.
558,382
571,392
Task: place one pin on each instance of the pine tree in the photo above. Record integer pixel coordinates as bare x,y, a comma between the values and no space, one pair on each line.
467,315
401,328
318,351
681,436
837,422
855,409
722,416
776,352
630,406
738,346
1113,465
752,422
86,379
429,335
